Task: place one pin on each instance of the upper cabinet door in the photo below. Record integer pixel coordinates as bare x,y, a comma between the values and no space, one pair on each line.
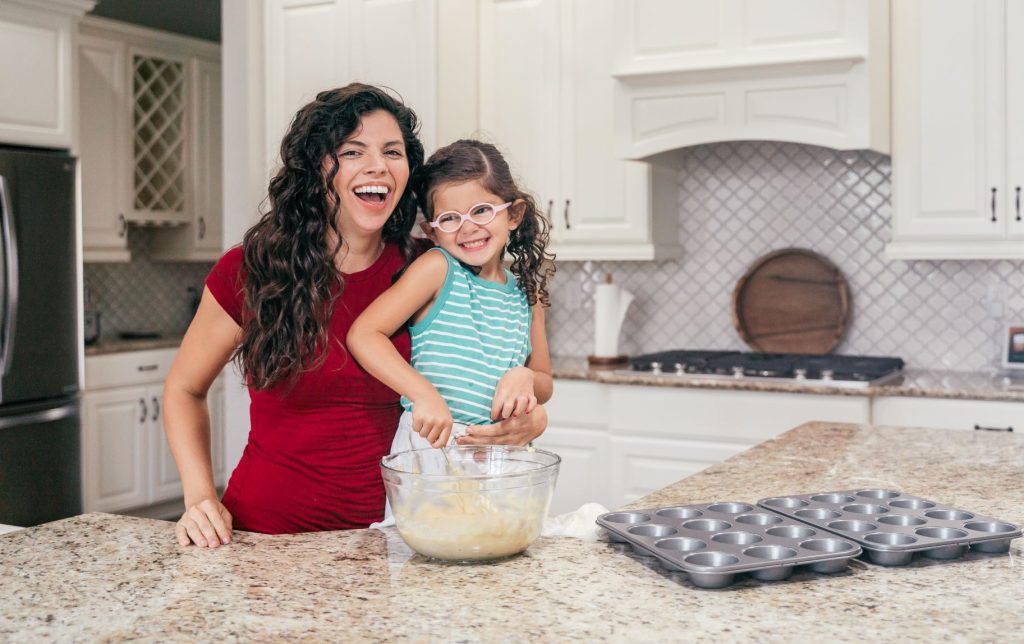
1015,118
408,63
208,157
520,101
308,50
35,74
949,111
103,147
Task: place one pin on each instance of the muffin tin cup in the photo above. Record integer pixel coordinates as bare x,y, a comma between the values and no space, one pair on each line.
891,526
714,542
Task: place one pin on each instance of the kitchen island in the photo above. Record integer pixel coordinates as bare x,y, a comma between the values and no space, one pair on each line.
101,576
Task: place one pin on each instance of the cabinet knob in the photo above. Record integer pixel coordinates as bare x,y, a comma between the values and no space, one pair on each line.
145,412
993,204
156,408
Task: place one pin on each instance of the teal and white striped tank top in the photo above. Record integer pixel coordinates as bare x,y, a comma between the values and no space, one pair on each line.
475,331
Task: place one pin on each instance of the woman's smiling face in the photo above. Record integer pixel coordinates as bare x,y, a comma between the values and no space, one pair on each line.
373,172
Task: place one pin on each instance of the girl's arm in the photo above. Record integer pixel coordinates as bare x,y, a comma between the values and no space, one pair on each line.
369,341
522,388
205,349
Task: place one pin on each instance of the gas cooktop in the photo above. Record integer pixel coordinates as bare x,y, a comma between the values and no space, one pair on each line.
830,370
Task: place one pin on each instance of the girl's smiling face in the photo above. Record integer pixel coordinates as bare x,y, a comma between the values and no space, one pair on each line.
373,171
474,244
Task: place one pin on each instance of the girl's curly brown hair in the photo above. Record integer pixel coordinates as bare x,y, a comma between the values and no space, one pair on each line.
292,282
472,160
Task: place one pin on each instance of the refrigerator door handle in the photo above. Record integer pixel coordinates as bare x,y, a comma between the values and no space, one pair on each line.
10,286
36,417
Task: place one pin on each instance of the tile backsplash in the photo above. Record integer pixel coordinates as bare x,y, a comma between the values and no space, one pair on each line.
741,200
143,295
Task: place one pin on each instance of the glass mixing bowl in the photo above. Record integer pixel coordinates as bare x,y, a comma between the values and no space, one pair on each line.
470,503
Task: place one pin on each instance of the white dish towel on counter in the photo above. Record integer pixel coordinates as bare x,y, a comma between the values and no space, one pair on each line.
579,524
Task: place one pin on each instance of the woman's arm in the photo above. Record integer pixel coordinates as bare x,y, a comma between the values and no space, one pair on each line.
205,349
518,430
369,341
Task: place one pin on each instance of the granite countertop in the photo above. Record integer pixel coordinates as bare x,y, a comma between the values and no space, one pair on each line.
101,576
119,346
967,385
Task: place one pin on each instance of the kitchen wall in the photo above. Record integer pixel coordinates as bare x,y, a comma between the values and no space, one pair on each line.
738,201
143,295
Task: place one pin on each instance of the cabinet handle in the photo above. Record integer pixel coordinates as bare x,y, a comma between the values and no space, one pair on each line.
547,215
145,412
993,204
147,367
982,428
202,228
565,214
122,225
156,408
1018,202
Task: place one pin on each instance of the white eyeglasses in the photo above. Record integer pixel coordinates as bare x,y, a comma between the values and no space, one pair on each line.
481,214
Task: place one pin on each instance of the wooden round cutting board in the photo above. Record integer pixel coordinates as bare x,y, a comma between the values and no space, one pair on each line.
791,301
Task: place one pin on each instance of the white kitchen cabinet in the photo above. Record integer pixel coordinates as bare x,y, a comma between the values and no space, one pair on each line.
578,432
126,461
621,442
548,107
149,141
958,129
103,148
314,45
115,440
37,71
202,239
968,415
807,71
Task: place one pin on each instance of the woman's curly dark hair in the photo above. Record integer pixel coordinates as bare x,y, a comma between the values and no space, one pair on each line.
472,160
292,282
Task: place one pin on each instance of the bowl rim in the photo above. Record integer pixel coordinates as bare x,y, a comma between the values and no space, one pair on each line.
469,448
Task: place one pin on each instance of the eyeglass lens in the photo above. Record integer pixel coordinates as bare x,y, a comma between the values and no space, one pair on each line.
479,214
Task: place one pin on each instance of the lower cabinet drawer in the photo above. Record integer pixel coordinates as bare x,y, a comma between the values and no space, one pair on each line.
941,413
128,368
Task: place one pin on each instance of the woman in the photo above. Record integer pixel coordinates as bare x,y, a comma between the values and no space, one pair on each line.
281,305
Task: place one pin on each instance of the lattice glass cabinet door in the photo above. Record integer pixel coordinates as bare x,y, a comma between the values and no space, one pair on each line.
160,148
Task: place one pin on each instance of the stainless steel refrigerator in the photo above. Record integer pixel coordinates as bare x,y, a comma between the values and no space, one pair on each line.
39,405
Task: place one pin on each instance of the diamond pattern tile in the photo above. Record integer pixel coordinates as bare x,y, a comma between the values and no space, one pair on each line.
740,200
144,295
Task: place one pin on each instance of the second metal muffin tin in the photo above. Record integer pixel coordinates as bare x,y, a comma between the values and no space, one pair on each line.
714,542
891,526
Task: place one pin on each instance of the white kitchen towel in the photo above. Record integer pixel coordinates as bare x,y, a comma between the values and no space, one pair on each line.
579,524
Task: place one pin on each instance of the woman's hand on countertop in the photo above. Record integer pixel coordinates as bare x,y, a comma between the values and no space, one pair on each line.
206,524
518,430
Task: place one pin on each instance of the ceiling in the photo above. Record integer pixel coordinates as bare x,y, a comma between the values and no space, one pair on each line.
196,18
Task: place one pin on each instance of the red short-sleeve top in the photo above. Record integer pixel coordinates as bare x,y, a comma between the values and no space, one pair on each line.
312,461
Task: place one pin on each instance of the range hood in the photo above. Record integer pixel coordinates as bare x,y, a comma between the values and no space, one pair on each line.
806,71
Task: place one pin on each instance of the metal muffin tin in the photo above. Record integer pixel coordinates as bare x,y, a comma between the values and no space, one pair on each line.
891,526
713,542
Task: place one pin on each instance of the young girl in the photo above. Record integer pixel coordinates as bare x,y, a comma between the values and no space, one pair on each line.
479,349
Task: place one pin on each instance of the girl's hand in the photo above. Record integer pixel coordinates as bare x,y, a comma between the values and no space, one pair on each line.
206,524
514,431
514,395
432,419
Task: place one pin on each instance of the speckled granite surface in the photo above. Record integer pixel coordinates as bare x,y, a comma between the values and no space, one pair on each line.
103,577
119,346
965,385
